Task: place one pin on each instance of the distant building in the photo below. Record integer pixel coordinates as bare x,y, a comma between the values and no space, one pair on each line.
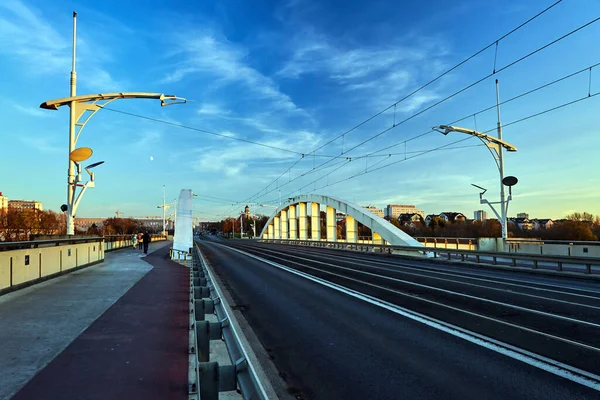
394,210
522,223
25,205
523,215
451,216
339,217
3,202
539,224
480,215
410,219
429,218
374,210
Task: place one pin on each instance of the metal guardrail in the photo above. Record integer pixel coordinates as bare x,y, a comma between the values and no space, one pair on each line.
210,378
481,257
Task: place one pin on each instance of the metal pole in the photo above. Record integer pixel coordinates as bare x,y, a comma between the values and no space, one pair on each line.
164,212
503,205
72,121
241,225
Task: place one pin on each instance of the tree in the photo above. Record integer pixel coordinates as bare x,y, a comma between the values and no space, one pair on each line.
570,230
122,226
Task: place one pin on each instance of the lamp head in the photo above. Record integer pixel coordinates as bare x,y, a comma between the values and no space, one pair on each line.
443,129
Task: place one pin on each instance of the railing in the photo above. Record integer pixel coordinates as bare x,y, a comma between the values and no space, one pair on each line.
7,246
207,378
449,242
580,265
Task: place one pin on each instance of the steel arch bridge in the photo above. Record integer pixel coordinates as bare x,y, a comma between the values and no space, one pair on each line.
289,221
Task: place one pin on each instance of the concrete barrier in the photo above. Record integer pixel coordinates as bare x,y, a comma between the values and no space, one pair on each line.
26,263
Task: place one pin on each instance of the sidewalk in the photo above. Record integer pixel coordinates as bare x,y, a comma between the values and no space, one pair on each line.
114,330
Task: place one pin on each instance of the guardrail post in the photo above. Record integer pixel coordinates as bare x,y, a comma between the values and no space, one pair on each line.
560,266
588,268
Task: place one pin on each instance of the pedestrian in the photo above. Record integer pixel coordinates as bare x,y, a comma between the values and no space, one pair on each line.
139,240
134,240
146,240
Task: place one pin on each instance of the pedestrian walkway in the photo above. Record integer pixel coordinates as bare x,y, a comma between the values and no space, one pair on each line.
117,330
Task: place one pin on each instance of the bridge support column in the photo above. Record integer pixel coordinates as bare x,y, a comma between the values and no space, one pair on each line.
277,226
284,224
315,221
293,222
270,231
302,231
351,229
331,225
377,238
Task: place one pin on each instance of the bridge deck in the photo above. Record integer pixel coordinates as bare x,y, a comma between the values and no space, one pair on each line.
115,330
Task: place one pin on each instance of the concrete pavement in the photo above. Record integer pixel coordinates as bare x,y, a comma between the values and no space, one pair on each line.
39,322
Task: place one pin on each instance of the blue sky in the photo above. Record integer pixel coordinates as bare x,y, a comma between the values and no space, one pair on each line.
295,74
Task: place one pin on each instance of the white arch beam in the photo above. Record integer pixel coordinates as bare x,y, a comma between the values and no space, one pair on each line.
381,229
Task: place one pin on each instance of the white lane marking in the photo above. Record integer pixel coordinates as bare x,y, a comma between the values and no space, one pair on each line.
546,314
469,274
554,367
423,274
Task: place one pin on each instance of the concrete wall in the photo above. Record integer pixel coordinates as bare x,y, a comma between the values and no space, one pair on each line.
555,249
23,266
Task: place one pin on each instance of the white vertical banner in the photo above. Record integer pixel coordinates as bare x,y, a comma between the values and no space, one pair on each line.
183,240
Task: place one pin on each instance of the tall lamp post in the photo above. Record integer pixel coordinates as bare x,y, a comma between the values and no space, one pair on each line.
91,103
496,147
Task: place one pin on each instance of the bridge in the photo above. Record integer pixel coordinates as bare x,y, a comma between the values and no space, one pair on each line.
290,221
295,315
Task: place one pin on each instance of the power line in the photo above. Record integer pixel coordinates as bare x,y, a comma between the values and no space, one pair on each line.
455,94
162,121
495,42
421,88
529,92
472,85
586,69
467,138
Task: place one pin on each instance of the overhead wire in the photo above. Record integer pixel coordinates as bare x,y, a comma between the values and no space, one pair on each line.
494,43
430,131
467,87
586,97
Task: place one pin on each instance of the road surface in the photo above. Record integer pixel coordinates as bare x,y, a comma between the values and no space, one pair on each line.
331,345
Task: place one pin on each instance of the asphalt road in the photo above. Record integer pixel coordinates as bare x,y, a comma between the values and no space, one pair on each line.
329,345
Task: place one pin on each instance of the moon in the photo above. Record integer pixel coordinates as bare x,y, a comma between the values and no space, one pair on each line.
151,158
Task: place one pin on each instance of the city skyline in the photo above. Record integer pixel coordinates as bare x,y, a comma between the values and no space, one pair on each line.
286,76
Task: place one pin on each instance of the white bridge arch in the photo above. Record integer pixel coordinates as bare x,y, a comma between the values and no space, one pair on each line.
289,221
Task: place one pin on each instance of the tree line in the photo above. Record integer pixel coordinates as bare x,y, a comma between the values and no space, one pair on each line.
18,225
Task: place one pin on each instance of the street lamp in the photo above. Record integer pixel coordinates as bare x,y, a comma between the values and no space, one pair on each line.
496,147
90,104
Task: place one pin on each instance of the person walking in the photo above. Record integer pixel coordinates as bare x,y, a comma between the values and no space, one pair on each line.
146,240
139,240
134,240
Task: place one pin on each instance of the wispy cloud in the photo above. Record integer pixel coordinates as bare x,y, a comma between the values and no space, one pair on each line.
41,144
32,112
380,73
210,109
208,54
30,38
